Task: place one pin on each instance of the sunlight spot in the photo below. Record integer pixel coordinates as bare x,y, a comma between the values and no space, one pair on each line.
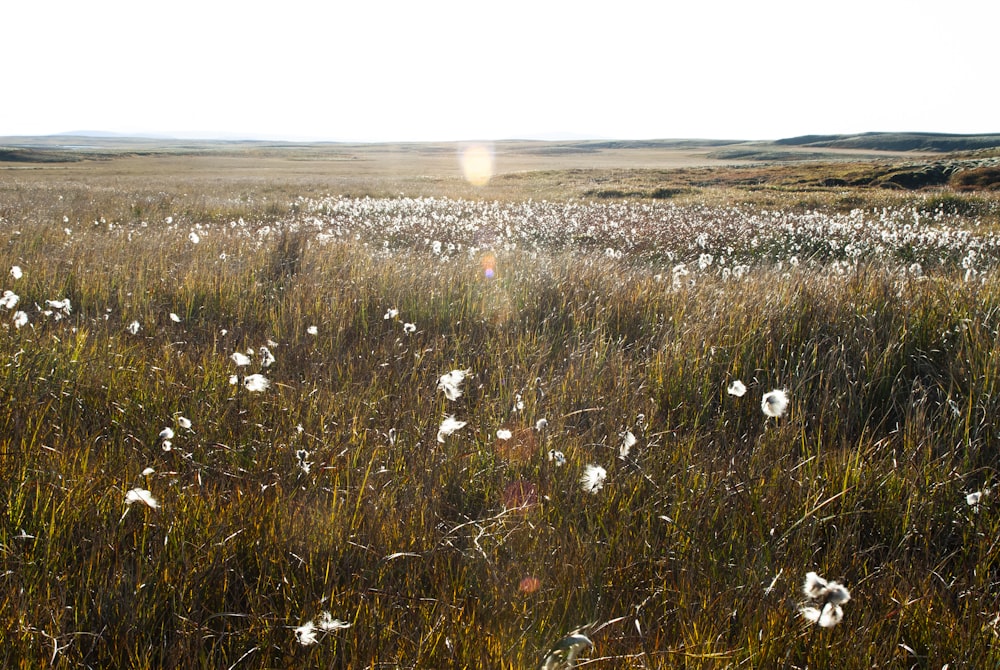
477,164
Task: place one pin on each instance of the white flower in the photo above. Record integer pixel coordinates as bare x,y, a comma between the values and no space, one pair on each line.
256,383
628,441
593,478
774,403
193,236
504,434
20,319
449,426
167,433
409,328
15,272
312,330
451,382
306,634
9,300
240,358
175,318
133,327
328,624
143,496
737,388
557,457
266,357
391,314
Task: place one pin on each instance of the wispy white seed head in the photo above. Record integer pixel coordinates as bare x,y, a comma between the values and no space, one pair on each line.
593,478
194,237
15,272
266,357
256,383
312,330
557,457
504,434
141,496
9,300
167,433
240,358
328,624
134,327
391,314
184,422
147,472
20,319
542,424
774,403
451,383
827,616
737,388
449,426
306,634
409,328
628,441
175,318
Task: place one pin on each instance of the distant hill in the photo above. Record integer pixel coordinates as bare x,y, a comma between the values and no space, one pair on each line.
941,142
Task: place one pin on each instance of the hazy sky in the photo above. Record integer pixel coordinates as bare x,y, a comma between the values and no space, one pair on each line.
409,70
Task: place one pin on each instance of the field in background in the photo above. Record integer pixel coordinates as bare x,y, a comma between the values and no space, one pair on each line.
603,303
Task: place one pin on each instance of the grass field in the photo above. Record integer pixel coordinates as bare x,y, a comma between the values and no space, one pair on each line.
225,438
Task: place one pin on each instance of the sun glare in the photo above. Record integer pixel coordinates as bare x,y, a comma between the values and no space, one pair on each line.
477,164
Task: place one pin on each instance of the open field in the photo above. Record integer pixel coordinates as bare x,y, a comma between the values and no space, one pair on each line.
226,441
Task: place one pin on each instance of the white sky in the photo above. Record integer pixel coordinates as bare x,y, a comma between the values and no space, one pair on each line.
375,70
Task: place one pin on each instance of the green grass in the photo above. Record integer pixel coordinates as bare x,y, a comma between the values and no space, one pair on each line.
699,540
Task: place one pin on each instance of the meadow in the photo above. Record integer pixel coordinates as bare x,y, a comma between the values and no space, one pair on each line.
256,421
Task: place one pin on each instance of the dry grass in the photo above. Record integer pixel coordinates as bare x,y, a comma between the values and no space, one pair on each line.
480,552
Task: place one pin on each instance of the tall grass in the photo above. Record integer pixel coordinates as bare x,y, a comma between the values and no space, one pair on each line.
477,551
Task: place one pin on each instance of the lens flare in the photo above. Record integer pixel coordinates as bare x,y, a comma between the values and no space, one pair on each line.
489,263
477,164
